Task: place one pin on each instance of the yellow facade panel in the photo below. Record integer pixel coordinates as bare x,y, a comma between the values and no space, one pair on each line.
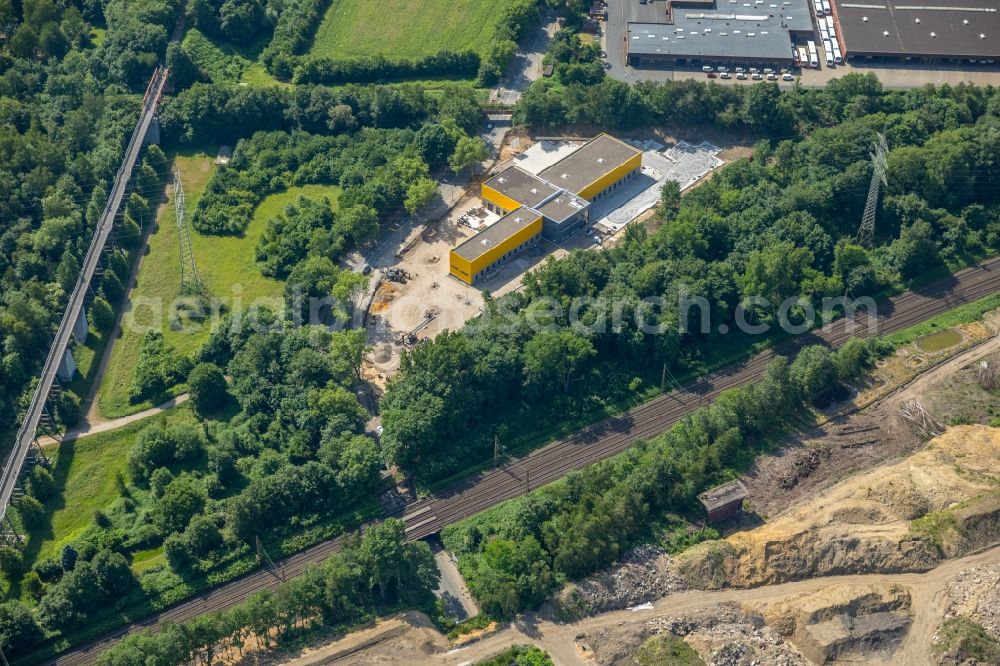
505,202
523,234
460,267
613,176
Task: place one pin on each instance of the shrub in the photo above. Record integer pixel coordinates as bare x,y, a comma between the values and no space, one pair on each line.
41,484
31,512
11,561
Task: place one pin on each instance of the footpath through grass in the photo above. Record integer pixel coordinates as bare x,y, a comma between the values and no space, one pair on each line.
405,28
89,474
227,267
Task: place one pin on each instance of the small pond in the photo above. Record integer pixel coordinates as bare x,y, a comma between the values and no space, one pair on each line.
935,342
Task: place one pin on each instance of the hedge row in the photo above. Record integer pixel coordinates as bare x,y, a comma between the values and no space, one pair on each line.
379,69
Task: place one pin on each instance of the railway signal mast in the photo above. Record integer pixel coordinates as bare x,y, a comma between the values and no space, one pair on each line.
866,232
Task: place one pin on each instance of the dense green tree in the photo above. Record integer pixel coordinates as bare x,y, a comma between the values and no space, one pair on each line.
41,483
19,632
182,499
469,152
11,561
207,387
553,359
101,315
31,512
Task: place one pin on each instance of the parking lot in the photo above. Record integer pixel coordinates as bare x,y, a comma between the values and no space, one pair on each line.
683,163
892,75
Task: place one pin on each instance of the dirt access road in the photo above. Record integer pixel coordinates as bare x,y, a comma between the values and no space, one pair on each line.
591,444
559,639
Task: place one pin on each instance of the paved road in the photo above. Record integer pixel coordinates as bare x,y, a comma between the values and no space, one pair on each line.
458,601
594,443
912,75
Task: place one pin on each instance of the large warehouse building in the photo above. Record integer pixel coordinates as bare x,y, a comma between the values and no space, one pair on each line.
955,31
553,205
730,32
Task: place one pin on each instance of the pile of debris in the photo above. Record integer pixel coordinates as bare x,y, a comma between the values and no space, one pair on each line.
397,275
730,636
642,575
975,594
804,463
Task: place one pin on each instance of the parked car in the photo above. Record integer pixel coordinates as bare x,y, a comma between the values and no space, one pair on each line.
772,77
722,68
739,70
725,75
787,77
711,75
756,76
706,68
741,76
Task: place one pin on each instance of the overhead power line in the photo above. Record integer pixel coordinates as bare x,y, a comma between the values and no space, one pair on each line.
866,232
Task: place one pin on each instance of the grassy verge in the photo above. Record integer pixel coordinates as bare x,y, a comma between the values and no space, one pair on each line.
405,28
963,314
226,264
89,473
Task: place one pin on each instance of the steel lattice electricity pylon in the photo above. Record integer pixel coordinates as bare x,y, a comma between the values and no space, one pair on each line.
866,232
190,280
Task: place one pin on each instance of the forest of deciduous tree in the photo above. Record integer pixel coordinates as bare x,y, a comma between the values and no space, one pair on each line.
778,224
291,458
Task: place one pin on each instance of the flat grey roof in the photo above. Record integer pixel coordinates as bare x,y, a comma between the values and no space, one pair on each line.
960,28
719,496
589,162
562,206
496,233
526,189
751,30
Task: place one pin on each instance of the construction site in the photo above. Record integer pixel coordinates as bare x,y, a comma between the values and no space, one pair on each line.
435,278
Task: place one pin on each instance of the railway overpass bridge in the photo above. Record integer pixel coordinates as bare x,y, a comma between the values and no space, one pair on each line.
59,365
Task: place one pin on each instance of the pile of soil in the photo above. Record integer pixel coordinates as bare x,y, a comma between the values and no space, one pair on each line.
847,622
863,524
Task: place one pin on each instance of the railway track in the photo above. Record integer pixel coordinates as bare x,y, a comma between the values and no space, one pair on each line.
597,442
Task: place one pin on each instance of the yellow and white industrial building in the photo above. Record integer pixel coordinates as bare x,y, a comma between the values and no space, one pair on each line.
552,205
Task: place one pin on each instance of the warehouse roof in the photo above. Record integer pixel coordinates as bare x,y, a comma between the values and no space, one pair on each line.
946,28
524,188
754,30
562,206
496,233
591,161
720,496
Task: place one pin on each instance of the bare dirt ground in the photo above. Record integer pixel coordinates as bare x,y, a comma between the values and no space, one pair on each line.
407,638
865,523
734,634
430,301
841,500
817,457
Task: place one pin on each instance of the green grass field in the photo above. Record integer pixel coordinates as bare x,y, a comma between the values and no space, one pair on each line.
405,29
226,265
88,472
